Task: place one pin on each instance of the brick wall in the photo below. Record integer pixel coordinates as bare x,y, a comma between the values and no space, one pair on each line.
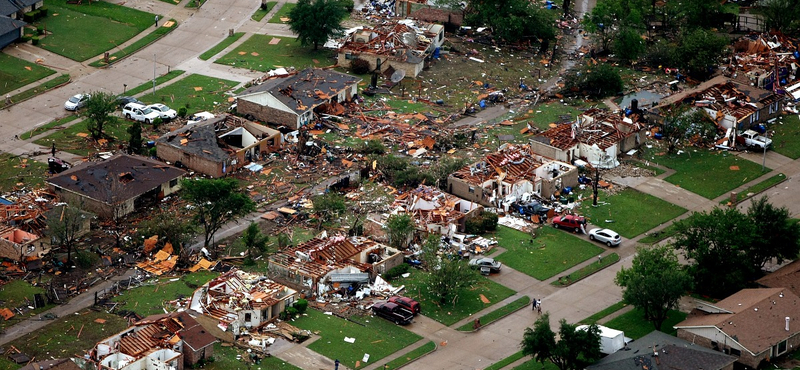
172,154
412,70
460,188
267,114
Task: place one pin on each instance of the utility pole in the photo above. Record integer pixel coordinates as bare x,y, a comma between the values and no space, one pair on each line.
154,76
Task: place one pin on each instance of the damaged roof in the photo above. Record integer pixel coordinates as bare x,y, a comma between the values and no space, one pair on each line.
305,90
317,257
513,163
116,179
207,139
430,205
397,40
724,96
755,318
236,290
594,127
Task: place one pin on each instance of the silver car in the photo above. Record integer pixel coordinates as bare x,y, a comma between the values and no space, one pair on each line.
605,236
76,102
486,263
163,111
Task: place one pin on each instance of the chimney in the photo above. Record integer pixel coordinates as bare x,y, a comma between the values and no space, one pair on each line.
787,323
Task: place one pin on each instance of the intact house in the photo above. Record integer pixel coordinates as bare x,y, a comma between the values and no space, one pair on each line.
11,14
787,277
242,301
733,106
509,174
399,46
167,341
597,136
117,186
291,101
218,146
660,351
754,325
322,263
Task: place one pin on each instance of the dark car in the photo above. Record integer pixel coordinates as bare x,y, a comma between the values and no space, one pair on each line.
124,100
534,208
570,222
406,303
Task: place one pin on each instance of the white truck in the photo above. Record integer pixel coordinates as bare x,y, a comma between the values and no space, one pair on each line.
139,112
754,140
610,340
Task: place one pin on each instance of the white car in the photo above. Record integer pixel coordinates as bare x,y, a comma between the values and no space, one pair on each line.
76,102
163,111
199,117
606,236
139,112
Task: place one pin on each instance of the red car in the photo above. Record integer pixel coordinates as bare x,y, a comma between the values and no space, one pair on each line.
569,222
406,303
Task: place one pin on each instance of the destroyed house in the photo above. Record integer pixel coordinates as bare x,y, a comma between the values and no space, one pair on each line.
754,325
512,171
218,146
117,186
19,246
291,101
435,211
318,263
767,61
167,341
729,104
241,301
598,136
399,45
427,11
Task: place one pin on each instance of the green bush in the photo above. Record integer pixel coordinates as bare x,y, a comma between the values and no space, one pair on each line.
372,147
289,313
396,271
40,30
349,5
301,305
35,40
182,111
157,122
85,260
359,66
29,17
482,223
43,12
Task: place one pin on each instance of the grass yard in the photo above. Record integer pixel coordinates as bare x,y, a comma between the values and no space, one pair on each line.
587,270
411,356
550,253
195,92
261,12
635,326
283,12
505,362
60,338
499,313
159,80
76,139
757,188
377,336
137,45
232,358
546,116
221,46
786,139
149,299
18,293
16,172
626,208
44,128
58,81
534,365
658,236
16,73
257,54
72,30
708,173
605,312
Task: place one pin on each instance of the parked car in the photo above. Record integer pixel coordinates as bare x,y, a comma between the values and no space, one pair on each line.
753,140
124,100
139,112
76,102
606,236
571,222
199,117
163,111
485,264
393,312
406,303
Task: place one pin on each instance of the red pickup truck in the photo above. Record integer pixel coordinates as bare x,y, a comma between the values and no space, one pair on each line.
393,312
406,303
569,222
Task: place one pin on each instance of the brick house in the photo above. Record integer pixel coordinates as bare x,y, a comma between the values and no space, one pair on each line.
291,101
754,325
218,146
787,277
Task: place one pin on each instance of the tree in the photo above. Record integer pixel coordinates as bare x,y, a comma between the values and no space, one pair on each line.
654,283
598,81
780,15
64,226
430,251
448,276
98,110
328,205
602,21
254,241
175,229
628,45
675,127
512,20
699,52
777,235
215,201
135,141
399,228
574,349
316,21
702,13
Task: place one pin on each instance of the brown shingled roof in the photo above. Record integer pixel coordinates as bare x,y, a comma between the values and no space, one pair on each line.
785,277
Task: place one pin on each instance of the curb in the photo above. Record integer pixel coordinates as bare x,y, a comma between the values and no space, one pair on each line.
435,347
757,193
555,282
497,319
35,95
112,62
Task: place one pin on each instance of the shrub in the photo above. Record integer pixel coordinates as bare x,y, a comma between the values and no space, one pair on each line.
301,305
349,5
396,271
289,313
29,17
359,66
39,30
485,221
35,40
182,112
372,147
85,260
157,122
43,12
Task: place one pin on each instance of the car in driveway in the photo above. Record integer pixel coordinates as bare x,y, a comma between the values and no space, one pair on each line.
406,303
569,222
605,236
165,112
139,112
124,100
485,264
76,102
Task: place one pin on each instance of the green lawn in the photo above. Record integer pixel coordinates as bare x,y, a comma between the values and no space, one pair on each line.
261,12
757,188
16,172
545,114
605,312
16,73
656,237
73,29
635,326
257,54
58,81
76,139
786,139
225,358
159,80
221,46
283,12
377,337
499,313
137,45
552,252
534,365
149,299
18,293
468,302
708,173
625,210
505,362
196,92
411,356
44,128
587,270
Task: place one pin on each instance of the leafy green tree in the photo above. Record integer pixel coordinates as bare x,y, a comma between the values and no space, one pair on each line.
602,21
629,45
448,277
575,349
702,13
399,228
682,123
512,20
597,81
315,21
699,52
98,110
777,235
654,283
254,241
170,226
215,202
135,137
444,167
328,206
430,250
780,15
64,227
399,172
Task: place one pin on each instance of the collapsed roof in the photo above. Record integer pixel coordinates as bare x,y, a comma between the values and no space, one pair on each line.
302,91
512,163
594,127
